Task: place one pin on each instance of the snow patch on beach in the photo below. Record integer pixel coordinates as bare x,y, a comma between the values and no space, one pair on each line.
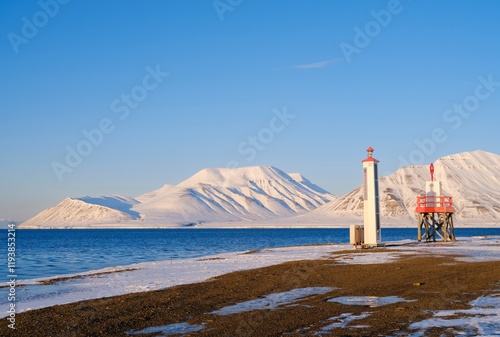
369,257
272,301
471,249
483,319
171,329
342,321
370,301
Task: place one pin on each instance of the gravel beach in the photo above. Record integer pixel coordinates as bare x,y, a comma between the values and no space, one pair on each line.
282,300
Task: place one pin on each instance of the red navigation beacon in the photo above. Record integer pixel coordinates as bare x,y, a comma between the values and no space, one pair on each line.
435,212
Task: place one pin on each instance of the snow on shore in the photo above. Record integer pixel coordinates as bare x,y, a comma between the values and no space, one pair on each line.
483,319
146,276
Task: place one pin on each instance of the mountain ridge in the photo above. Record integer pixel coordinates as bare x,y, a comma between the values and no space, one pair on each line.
227,195
267,195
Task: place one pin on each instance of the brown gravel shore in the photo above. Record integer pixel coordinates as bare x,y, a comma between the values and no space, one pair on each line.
433,283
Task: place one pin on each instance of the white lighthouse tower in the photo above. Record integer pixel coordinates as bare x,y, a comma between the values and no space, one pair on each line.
372,232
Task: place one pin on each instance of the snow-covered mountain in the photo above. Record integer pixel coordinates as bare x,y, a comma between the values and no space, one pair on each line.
267,196
211,195
86,211
471,178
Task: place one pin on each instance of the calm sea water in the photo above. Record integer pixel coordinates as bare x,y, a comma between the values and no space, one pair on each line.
43,253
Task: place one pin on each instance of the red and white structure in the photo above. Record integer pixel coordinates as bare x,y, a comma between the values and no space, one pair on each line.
435,212
372,232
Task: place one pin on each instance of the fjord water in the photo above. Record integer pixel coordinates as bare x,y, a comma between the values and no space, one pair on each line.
44,253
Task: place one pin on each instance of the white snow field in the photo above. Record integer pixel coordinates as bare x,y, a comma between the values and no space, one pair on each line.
483,319
264,196
146,276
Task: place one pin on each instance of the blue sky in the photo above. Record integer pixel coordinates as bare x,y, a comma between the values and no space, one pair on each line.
348,80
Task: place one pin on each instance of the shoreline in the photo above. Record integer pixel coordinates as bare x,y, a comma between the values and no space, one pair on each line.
173,246
219,226
334,246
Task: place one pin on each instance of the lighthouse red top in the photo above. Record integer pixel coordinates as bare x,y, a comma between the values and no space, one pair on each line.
370,156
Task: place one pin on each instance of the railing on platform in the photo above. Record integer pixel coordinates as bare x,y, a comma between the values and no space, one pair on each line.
434,201
427,203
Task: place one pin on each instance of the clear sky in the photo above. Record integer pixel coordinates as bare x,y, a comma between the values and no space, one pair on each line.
149,92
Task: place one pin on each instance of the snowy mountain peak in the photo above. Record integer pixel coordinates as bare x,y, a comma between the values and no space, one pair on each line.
234,177
117,202
477,155
81,211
